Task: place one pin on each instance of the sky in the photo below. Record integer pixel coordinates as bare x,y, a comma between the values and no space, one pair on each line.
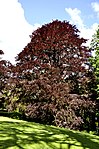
19,18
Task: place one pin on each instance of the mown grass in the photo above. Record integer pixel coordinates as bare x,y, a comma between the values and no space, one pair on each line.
18,134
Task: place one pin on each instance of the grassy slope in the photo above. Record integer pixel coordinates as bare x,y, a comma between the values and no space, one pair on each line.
16,134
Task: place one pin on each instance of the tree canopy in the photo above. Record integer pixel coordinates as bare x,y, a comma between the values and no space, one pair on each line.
55,44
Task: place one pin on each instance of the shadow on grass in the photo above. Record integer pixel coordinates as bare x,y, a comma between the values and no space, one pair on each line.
27,135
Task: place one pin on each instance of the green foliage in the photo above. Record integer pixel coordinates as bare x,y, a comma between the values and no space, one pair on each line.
95,63
95,58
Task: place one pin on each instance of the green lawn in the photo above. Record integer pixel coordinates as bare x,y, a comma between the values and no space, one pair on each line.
17,134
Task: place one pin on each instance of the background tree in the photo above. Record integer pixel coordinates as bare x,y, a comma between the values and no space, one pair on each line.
5,73
1,71
95,58
50,79
95,63
1,79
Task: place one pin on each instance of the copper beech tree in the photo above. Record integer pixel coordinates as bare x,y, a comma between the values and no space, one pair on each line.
50,79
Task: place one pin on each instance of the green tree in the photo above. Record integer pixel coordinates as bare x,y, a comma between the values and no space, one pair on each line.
95,58
95,64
